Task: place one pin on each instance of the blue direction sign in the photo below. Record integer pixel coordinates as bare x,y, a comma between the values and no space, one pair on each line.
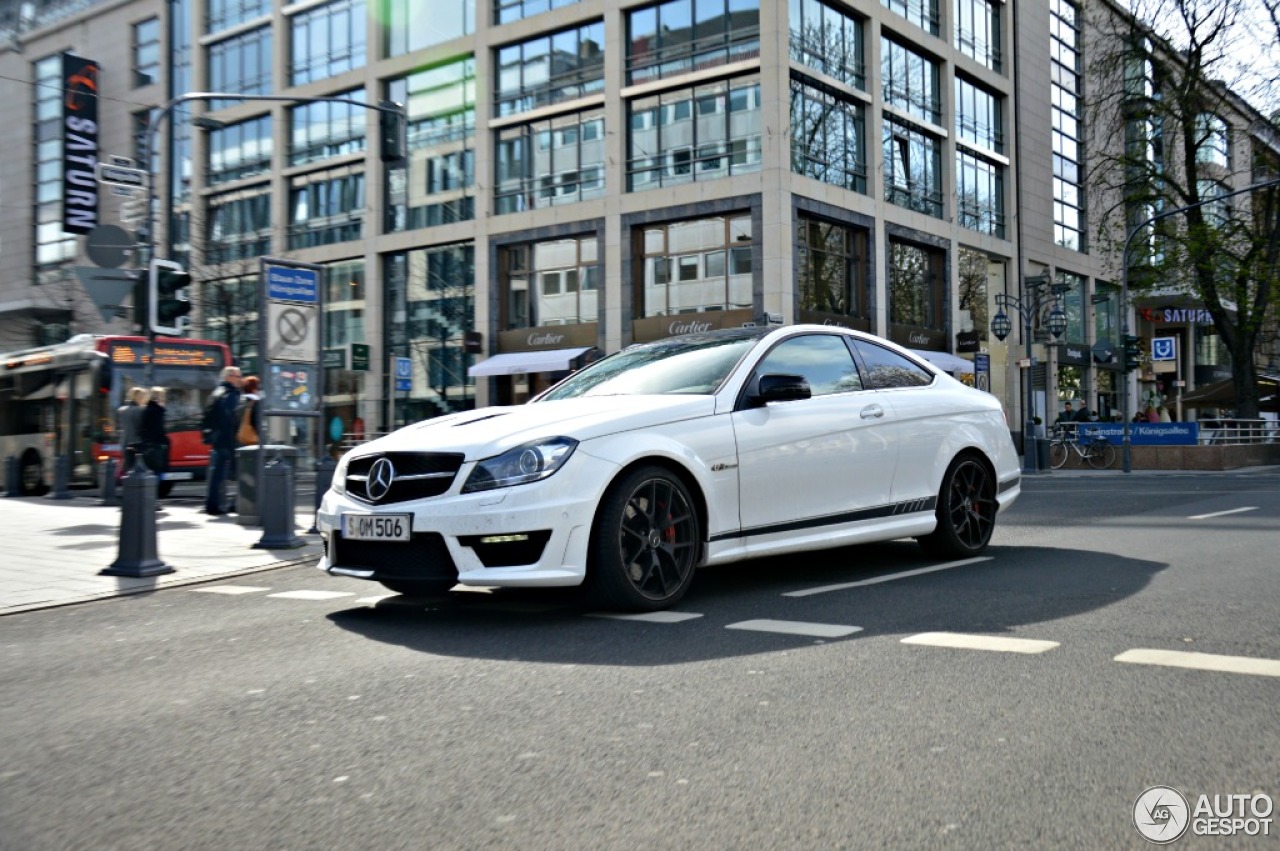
1164,348
404,374
286,283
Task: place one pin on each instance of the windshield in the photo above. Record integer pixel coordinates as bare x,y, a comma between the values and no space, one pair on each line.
681,365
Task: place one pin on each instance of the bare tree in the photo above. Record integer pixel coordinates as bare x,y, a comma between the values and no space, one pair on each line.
1171,137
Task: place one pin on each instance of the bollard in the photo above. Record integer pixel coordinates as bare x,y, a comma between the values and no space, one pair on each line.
138,528
61,477
109,495
275,506
12,476
324,480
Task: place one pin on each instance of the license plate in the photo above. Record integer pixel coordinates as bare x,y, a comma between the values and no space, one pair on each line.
177,477
376,527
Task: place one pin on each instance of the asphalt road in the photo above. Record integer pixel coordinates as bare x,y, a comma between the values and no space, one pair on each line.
194,718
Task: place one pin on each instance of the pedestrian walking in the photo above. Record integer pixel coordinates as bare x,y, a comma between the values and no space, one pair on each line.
153,433
129,427
218,429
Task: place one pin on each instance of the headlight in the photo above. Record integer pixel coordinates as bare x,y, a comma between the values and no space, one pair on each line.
339,484
528,463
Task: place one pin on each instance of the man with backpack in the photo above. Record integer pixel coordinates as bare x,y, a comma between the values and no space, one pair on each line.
219,431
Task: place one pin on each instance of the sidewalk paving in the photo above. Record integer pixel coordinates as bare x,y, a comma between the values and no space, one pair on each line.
54,550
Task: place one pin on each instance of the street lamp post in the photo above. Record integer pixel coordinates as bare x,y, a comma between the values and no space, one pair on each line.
1029,306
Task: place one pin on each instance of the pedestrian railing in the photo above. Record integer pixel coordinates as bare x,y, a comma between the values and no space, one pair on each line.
1235,432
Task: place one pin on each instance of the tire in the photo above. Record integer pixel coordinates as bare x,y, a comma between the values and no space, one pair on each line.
1102,455
645,543
966,510
1058,452
420,587
30,474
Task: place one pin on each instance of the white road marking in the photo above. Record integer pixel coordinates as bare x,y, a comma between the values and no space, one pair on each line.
649,617
967,641
1223,513
817,630
1203,661
312,595
889,578
230,589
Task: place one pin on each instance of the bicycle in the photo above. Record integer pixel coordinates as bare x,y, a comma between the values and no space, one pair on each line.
1093,448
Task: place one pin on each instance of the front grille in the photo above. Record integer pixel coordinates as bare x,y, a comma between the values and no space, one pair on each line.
424,556
437,470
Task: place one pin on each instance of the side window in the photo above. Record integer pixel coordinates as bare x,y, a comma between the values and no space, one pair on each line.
887,369
823,360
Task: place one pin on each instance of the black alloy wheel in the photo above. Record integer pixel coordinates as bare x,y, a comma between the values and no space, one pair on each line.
646,542
966,510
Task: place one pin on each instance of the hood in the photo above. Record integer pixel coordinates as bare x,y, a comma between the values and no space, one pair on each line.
488,431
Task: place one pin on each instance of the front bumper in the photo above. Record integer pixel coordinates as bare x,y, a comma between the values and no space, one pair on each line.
548,522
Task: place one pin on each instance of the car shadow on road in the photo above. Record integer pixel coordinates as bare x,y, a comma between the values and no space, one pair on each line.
1010,588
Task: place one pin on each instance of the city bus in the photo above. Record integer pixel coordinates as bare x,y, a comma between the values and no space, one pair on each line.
62,400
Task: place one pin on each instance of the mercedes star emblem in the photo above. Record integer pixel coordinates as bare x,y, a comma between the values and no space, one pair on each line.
381,475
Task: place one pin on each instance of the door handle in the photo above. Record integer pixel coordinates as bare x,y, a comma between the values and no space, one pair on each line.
871,411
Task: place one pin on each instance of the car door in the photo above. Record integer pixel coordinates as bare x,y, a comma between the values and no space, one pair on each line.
805,465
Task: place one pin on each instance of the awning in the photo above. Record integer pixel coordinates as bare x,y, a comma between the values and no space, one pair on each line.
946,361
1222,394
513,363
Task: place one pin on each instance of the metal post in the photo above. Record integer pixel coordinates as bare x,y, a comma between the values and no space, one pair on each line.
109,495
12,476
61,477
275,498
137,555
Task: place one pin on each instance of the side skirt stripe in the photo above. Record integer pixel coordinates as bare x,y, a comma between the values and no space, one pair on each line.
914,506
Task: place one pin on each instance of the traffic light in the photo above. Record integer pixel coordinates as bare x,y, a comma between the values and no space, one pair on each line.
168,300
393,132
1131,352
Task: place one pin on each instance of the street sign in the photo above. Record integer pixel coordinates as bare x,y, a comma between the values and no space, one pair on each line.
108,288
293,284
109,246
360,357
334,359
115,175
1164,348
404,373
292,333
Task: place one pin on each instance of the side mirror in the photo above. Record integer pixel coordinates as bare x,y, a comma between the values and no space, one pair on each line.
780,388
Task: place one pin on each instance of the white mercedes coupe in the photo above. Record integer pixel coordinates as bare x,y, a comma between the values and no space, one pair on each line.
694,450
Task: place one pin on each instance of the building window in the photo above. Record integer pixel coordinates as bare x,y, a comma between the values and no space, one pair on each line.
1213,140
979,194
1068,118
832,264
556,282
1217,209
240,150
224,14
922,13
695,266
550,69
52,245
326,207
431,307
437,187
827,132
977,272
327,129
239,226
146,52
912,169
241,64
410,27
506,11
556,161
679,36
915,286
979,120
327,40
1106,313
828,40
910,81
694,134
978,31
1070,290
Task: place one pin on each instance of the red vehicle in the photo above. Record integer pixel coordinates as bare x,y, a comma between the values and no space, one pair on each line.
62,400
